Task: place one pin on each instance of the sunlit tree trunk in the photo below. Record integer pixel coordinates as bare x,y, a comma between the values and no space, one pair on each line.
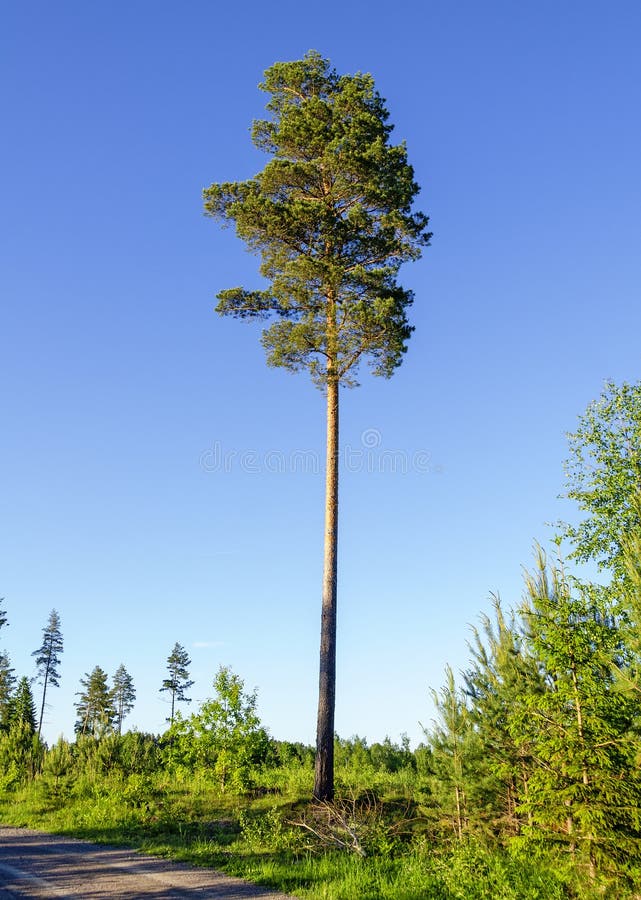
324,772
42,705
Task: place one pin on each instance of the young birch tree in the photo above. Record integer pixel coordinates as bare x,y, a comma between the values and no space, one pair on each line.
331,217
603,476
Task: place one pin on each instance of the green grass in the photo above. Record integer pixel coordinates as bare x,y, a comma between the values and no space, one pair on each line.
194,822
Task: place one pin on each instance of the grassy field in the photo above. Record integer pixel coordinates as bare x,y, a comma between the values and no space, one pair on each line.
373,846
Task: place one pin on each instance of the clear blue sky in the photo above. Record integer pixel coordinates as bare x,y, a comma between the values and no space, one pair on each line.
119,383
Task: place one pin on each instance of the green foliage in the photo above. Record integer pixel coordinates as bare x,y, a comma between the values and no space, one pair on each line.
270,832
501,674
20,748
7,685
123,695
48,654
263,846
456,764
391,757
139,753
330,215
256,836
20,754
7,679
225,735
472,872
95,708
543,752
355,755
23,710
177,681
584,789
58,772
603,474
79,767
48,659
628,663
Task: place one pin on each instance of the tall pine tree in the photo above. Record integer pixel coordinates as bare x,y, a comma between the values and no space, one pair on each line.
7,678
123,694
177,682
48,659
95,711
331,217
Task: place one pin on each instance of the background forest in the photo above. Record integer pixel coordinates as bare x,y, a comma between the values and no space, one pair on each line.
526,785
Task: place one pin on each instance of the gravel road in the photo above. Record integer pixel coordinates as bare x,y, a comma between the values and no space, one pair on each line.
39,865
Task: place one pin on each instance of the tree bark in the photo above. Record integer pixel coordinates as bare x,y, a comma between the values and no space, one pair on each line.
42,705
324,769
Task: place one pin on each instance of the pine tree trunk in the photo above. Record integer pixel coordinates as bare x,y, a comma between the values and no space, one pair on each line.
324,771
44,695
585,775
526,793
459,820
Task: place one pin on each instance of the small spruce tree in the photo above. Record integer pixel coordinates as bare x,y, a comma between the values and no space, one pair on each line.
7,684
23,710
